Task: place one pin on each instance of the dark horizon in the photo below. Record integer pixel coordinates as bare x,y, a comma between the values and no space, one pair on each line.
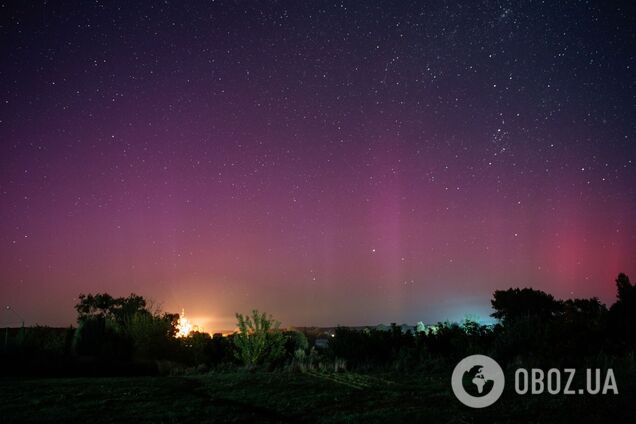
19,320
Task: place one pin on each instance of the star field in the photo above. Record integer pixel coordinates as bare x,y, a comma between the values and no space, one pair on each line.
342,162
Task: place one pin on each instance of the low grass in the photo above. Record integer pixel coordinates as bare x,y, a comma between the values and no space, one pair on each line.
256,397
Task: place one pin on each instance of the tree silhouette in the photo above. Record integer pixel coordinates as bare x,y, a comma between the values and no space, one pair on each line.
623,314
524,303
103,305
626,292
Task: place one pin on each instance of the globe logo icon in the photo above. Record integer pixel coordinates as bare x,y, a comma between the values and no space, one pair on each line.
478,381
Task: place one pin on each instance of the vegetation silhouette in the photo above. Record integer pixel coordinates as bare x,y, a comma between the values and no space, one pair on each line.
259,339
124,336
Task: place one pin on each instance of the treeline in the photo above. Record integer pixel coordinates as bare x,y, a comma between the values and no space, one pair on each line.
534,329
114,336
124,336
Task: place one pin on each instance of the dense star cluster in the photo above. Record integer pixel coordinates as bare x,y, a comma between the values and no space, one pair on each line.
348,162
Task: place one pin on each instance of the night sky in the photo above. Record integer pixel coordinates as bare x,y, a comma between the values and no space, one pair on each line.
331,163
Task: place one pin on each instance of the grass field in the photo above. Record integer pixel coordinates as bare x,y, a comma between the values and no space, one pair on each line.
289,397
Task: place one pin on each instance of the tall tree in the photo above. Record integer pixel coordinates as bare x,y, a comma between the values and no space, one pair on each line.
625,291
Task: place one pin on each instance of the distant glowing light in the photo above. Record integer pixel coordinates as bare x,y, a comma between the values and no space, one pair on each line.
184,327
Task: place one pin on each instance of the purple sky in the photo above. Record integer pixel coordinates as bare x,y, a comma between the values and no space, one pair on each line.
348,163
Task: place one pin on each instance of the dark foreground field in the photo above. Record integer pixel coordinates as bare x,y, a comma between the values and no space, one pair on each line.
289,397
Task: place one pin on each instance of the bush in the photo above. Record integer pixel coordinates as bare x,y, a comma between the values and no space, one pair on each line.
101,337
44,340
295,341
151,335
197,348
259,339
